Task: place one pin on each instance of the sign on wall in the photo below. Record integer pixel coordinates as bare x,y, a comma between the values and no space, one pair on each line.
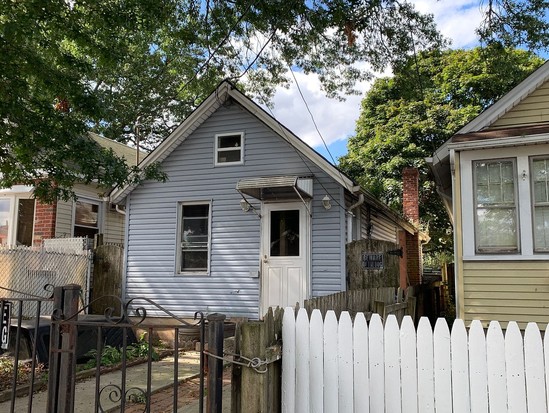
5,325
372,261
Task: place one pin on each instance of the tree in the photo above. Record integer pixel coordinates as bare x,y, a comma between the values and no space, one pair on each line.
114,67
516,23
405,118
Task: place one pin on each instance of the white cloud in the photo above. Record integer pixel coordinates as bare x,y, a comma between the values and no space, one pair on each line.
334,119
456,19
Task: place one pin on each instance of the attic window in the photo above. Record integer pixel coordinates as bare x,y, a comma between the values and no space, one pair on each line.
229,149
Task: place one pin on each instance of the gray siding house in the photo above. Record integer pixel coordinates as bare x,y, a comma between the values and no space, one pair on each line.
250,216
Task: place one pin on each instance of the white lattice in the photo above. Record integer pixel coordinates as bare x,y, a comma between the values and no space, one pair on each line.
27,270
69,245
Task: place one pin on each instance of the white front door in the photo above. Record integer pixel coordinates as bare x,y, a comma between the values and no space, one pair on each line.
285,255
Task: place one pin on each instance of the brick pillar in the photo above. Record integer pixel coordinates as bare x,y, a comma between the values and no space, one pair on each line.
410,207
44,222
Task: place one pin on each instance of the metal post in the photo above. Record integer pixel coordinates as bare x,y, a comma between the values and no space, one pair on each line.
54,355
63,350
215,365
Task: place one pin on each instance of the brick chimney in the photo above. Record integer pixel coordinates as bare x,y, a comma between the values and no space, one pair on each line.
410,194
44,222
410,208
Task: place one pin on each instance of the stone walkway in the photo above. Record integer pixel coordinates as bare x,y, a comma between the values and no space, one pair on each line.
162,377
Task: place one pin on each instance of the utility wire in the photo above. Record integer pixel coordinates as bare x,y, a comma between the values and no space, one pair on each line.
233,27
287,138
314,123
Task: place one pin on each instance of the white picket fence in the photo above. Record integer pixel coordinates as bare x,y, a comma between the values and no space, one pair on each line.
330,366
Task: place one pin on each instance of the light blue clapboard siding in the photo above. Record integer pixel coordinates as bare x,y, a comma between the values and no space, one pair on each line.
232,286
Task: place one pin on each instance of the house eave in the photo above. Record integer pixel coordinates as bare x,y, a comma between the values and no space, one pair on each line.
225,91
509,100
499,142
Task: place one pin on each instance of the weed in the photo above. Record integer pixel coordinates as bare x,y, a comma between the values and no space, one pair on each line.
112,356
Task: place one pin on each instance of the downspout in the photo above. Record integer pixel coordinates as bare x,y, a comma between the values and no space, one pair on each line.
120,211
350,216
458,253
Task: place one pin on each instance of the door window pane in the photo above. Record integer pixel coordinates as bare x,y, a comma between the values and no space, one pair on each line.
285,233
4,220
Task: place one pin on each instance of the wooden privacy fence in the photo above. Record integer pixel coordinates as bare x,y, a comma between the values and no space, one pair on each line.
331,366
382,300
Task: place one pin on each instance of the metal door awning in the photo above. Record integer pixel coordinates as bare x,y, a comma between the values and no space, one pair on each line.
277,188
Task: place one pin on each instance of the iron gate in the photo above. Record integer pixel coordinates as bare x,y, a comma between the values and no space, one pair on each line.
54,344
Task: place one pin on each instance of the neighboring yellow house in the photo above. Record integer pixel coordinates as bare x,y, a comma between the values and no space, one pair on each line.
493,176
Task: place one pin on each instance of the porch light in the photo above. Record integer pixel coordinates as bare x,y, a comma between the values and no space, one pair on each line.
326,202
244,205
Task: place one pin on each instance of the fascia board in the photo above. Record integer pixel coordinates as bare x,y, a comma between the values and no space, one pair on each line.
204,111
508,101
501,142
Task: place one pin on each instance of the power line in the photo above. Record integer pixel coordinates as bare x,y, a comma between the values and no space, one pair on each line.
233,27
303,160
314,122
256,57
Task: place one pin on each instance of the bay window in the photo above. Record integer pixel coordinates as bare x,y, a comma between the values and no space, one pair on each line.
496,218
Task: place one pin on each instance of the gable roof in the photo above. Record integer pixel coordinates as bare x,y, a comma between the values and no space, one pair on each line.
120,149
478,133
508,101
484,120
225,91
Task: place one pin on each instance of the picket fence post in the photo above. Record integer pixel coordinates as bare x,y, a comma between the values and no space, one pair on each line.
288,361
408,357
497,373
351,366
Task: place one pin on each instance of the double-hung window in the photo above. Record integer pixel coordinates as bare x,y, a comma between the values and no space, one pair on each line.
539,168
229,149
86,219
194,238
496,226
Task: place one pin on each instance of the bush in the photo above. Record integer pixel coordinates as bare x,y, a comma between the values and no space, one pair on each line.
112,356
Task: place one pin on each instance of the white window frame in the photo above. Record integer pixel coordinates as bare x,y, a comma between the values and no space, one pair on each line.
483,250
99,213
218,149
533,201
465,213
179,240
13,214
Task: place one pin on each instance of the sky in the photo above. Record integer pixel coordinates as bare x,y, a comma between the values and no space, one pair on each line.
456,19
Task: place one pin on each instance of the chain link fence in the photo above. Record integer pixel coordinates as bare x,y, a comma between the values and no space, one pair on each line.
28,270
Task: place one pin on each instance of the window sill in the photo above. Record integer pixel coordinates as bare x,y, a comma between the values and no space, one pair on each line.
192,274
222,164
507,257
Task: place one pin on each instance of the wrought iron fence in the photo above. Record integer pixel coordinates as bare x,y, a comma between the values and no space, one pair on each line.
66,342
